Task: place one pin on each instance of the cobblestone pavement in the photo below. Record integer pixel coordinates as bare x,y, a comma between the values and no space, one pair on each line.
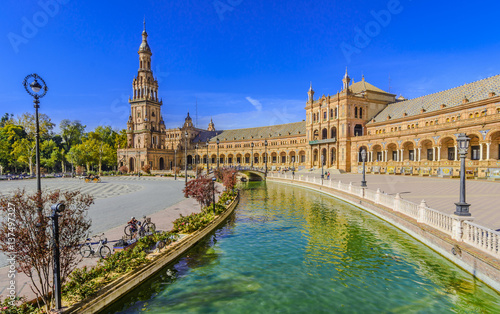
439,193
116,200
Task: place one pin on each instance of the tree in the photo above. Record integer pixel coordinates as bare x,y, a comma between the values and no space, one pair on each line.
201,190
24,152
28,122
121,139
33,252
71,132
6,119
9,134
229,178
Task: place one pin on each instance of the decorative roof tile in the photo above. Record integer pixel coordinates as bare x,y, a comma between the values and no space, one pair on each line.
471,92
261,133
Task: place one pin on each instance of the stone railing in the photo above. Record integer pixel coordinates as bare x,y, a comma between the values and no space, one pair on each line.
460,228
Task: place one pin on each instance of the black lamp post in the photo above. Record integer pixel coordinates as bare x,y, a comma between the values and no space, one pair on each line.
175,164
322,163
293,167
56,209
265,157
363,158
213,191
186,158
207,157
462,208
218,153
252,155
196,161
37,91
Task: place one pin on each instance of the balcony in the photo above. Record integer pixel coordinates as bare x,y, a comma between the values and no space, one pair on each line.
325,141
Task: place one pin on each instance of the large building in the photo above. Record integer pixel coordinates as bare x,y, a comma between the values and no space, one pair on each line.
415,136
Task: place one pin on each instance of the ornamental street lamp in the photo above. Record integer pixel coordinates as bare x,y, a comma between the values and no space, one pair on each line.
37,91
175,164
207,157
252,155
462,208
363,158
265,157
56,209
322,163
196,160
213,192
218,153
186,158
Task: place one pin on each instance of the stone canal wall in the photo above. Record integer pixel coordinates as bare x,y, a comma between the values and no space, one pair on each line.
123,285
439,232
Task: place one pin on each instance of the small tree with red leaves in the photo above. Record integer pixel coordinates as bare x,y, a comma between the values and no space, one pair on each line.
218,173
146,168
28,242
229,178
201,190
123,169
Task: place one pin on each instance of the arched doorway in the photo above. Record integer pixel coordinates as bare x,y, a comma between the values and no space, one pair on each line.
131,164
358,130
162,164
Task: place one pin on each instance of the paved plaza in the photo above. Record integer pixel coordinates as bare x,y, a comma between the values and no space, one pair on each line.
439,193
116,200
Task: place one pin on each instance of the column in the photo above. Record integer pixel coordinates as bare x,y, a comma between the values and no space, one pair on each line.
433,153
488,151
439,154
419,154
480,151
397,155
402,154
386,153
456,152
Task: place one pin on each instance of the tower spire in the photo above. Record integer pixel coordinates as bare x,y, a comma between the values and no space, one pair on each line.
144,24
346,80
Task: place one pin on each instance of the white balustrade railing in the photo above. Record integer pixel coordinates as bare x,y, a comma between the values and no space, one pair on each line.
408,208
477,236
438,220
480,237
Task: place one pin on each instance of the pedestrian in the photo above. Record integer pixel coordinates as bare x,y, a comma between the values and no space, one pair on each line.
328,176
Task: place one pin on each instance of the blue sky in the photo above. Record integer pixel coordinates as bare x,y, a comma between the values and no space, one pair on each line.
246,63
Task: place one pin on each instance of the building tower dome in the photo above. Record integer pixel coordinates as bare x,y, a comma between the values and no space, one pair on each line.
211,126
346,81
310,93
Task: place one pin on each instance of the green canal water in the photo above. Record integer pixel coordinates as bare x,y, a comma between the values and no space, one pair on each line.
291,250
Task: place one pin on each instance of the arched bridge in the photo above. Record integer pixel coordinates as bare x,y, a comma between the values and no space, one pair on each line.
251,173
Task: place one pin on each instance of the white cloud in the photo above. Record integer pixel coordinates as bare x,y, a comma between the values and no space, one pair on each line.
255,103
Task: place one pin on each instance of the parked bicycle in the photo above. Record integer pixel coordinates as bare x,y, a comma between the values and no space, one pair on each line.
101,249
139,228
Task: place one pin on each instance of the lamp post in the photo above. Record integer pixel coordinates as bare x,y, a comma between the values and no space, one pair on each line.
196,161
293,167
175,164
265,157
213,192
37,91
363,158
252,155
322,163
186,158
462,208
56,209
218,153
207,157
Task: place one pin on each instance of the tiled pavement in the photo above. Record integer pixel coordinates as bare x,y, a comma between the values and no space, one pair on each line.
116,200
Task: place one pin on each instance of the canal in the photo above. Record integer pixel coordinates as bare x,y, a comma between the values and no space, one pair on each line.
289,249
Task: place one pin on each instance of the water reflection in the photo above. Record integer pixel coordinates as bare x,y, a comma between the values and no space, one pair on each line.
293,250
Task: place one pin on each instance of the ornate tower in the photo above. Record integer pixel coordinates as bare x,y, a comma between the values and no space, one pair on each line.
310,93
145,128
346,80
211,126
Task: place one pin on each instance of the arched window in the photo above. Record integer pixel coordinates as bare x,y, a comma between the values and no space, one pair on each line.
331,113
355,112
361,113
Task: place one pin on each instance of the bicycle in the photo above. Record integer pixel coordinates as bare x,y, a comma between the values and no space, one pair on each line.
102,249
142,228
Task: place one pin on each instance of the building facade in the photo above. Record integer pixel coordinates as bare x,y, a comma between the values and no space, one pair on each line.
416,136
